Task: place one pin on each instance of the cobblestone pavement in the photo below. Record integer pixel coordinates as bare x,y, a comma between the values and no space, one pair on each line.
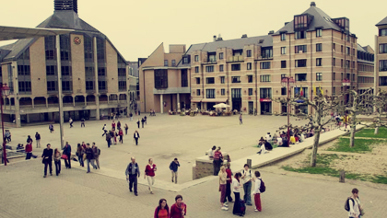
24,193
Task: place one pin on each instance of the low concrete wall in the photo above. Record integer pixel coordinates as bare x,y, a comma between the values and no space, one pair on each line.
203,167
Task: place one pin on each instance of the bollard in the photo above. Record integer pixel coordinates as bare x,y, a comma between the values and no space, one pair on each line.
249,162
342,176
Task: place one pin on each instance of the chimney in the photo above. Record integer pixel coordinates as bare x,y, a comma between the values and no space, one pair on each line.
313,4
66,5
271,32
244,36
219,38
214,38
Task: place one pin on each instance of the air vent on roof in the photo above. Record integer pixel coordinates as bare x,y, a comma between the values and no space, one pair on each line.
214,38
313,4
286,23
271,32
261,41
244,36
219,38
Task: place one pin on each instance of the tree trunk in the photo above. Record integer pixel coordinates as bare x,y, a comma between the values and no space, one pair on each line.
313,159
377,123
376,130
353,123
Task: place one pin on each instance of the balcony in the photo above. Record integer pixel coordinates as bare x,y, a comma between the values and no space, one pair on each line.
238,58
346,82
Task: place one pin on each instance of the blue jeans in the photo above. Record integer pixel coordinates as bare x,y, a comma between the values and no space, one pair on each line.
92,163
80,158
247,190
109,143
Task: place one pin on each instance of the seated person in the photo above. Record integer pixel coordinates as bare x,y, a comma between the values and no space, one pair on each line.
20,148
279,141
297,138
265,148
284,142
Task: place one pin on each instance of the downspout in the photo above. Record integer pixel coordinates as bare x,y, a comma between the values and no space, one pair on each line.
332,63
256,86
311,66
290,66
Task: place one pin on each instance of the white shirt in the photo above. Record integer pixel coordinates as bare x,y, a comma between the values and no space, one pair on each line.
235,185
246,175
257,185
354,210
279,141
267,137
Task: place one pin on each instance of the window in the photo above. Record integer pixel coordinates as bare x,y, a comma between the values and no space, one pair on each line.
265,65
250,78
165,63
198,81
342,76
283,75
333,76
222,91
186,59
283,64
283,91
342,49
101,85
383,65
342,63
348,51
300,49
173,63
347,64
122,72
301,77
318,76
248,66
211,57
221,68
383,81
196,69
334,90
49,43
333,46
265,92
283,36
353,52
248,53
209,69
300,35
89,85
210,80
318,61
382,48
210,93
161,79
353,77
121,85
297,91
235,79
235,67
23,70
88,48
267,52
52,86
318,32
101,71
66,70
222,79
301,63
220,55
196,58
250,91
265,78
66,86
184,78
100,49
64,47
353,64
333,61
24,86
383,32
283,50
198,92
319,47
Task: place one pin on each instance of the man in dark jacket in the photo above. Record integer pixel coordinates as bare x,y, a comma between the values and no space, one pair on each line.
132,172
37,137
142,122
108,139
67,152
89,157
29,139
174,167
47,159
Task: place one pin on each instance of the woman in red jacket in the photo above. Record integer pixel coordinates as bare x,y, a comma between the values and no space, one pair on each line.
162,211
150,173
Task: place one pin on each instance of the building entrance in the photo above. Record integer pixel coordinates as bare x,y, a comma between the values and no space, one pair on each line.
265,108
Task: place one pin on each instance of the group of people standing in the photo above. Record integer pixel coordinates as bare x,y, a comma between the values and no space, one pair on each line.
115,132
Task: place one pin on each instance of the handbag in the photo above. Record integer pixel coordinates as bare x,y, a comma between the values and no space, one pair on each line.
64,156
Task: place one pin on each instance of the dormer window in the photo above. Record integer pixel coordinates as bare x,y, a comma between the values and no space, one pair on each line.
301,22
238,52
342,22
211,57
283,36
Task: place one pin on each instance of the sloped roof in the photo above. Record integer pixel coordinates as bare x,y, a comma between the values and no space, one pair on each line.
320,20
382,22
18,47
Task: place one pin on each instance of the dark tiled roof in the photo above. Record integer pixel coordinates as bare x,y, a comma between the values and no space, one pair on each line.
18,47
382,22
320,20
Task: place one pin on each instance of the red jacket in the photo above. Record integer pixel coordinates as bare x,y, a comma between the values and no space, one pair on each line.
120,133
150,171
176,211
28,147
229,175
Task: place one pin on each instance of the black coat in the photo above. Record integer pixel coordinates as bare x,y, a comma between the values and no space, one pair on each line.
89,153
47,153
134,135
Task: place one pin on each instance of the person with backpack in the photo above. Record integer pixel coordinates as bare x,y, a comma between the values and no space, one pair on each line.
96,152
217,162
352,205
89,157
247,177
238,208
257,191
174,167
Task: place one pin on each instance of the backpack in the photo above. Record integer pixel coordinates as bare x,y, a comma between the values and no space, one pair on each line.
262,188
346,205
98,151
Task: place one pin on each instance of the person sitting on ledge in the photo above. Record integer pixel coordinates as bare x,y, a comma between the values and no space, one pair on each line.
265,148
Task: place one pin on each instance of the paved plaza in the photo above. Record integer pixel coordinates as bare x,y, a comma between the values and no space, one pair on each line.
25,193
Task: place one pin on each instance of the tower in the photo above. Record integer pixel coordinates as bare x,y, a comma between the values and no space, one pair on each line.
66,5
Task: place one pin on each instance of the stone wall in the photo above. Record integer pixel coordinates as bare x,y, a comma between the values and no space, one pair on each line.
203,167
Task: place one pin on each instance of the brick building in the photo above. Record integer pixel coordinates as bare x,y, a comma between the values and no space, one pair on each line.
381,56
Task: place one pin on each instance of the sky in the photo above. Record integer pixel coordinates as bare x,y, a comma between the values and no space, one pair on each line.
137,27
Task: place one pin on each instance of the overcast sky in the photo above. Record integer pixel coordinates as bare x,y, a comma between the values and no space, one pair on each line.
137,27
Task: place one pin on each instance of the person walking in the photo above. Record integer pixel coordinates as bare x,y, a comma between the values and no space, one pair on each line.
162,211
29,139
179,208
57,157
174,167
118,125
96,152
28,151
113,125
51,128
247,176
79,153
121,134
83,122
37,138
67,152
131,116
89,157
150,170
257,193
138,123
104,129
47,159
71,122
236,186
108,139
142,122
240,119
146,120
132,172
228,185
136,136
217,162
222,187
126,129
355,209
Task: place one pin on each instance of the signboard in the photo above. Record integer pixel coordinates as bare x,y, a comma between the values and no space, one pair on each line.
265,100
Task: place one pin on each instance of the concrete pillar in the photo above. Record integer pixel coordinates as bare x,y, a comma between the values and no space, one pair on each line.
161,104
178,102
97,112
96,79
16,94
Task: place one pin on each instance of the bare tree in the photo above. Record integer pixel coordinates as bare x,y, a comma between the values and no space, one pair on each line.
380,103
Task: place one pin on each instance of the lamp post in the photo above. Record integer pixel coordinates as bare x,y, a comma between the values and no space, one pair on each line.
289,83
4,92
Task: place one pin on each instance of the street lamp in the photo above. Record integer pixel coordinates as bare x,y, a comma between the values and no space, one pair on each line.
4,92
289,83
